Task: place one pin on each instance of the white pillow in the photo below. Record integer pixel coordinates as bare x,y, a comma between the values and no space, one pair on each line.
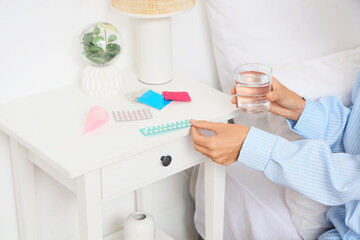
279,32
331,75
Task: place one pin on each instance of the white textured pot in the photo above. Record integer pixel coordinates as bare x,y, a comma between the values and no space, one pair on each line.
140,226
103,81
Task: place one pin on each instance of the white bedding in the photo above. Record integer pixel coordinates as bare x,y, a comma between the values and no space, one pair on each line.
255,207
286,35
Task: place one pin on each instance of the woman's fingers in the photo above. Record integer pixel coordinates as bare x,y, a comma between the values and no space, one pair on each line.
251,99
227,162
199,138
198,132
274,96
234,100
211,126
275,84
233,90
202,150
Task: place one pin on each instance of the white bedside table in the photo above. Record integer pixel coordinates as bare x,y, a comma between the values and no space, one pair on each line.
46,130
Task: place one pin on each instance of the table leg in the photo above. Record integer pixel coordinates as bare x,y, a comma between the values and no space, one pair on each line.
88,193
214,200
144,199
23,177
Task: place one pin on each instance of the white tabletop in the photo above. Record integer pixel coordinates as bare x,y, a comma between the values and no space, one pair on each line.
51,124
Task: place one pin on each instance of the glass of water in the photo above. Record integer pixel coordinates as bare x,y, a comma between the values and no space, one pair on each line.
253,81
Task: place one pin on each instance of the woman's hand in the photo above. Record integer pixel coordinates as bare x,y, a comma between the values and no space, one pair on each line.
224,147
283,101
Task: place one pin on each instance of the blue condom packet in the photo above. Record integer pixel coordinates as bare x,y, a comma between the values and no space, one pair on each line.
154,100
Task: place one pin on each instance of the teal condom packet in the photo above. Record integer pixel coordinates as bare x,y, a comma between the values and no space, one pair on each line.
154,100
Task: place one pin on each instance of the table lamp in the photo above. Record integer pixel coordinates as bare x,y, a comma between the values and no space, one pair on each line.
153,35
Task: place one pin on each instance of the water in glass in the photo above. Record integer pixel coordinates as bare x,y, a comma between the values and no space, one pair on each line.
251,90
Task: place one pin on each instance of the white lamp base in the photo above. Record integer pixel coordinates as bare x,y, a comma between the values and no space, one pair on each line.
101,81
154,50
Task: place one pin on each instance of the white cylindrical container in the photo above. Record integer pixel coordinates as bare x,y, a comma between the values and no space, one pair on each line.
154,50
139,226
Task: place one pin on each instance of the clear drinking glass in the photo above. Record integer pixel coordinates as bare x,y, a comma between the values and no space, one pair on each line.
253,81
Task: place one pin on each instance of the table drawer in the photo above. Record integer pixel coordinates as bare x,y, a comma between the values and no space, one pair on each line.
147,167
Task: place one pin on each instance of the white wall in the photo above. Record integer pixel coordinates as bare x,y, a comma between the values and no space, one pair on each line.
40,51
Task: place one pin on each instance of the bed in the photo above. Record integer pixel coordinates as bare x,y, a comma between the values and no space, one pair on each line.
313,47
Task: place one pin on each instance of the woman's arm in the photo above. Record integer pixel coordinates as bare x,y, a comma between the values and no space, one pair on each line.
307,166
324,120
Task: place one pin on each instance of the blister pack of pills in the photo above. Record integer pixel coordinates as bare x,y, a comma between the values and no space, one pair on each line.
135,115
164,128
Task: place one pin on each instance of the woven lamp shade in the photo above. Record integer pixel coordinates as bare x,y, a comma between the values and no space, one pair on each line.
152,7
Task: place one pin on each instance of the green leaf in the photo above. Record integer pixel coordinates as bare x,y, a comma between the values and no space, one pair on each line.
86,48
113,48
93,49
89,56
98,40
89,44
87,38
96,30
109,56
96,59
112,38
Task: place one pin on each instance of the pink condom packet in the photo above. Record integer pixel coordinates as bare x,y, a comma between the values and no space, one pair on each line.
177,96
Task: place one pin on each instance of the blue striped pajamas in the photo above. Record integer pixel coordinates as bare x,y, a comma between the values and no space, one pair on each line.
324,167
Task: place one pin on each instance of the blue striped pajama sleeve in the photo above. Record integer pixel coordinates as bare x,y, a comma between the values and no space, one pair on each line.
325,120
307,166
